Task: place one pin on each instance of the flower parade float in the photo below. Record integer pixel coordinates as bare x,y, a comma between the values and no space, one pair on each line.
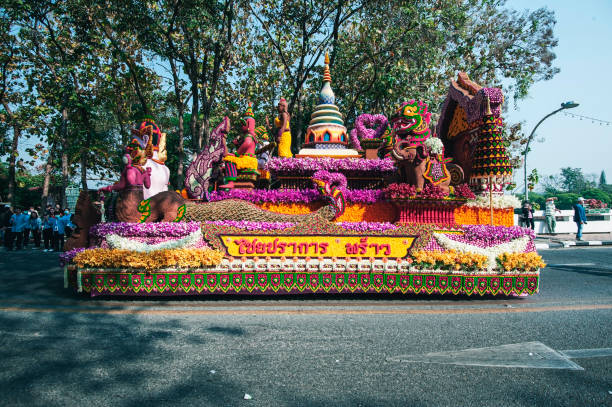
418,213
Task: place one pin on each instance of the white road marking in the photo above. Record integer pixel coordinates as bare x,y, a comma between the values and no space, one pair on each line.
570,264
530,355
587,353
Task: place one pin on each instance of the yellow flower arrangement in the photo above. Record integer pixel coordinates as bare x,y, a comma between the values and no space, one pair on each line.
354,212
449,260
116,258
243,162
520,261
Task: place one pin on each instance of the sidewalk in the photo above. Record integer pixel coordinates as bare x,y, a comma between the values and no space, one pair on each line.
558,240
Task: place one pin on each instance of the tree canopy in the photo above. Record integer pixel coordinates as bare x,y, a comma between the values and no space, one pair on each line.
75,75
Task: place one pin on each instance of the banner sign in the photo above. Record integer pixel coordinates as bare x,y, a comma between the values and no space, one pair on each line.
317,246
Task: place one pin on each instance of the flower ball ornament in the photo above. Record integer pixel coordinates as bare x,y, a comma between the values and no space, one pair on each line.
435,145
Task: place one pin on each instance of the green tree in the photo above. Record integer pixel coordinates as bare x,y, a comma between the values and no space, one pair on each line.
574,180
602,179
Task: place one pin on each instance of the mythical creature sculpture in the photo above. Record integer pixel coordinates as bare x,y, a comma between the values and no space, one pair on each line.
171,207
420,156
202,170
134,178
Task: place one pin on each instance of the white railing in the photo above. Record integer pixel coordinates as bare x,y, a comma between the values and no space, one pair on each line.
596,223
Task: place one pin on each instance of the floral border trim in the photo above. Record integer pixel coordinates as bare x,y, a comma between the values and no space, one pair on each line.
200,282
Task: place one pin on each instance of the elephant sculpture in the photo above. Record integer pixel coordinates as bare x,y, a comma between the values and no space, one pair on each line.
419,155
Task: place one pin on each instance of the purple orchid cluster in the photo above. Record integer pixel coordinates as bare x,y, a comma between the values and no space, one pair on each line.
294,195
66,257
497,234
309,165
163,229
487,236
333,178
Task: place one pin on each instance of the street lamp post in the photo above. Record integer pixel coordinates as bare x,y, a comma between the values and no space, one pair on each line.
566,105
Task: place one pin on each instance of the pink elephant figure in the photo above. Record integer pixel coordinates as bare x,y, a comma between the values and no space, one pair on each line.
132,175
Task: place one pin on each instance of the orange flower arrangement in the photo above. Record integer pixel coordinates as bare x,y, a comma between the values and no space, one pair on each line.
465,215
115,258
355,212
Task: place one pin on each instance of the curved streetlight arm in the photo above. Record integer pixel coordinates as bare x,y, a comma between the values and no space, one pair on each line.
567,105
537,125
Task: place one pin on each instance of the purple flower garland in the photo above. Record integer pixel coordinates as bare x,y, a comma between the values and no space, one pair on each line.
309,165
163,229
294,195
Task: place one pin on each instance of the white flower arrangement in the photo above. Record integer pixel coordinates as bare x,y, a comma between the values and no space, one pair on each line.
391,266
125,243
499,202
435,145
514,246
403,267
236,265
261,265
364,265
378,266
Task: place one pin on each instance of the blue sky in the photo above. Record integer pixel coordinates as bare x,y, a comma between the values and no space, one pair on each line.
584,56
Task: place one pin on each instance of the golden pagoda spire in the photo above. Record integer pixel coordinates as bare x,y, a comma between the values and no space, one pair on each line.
326,74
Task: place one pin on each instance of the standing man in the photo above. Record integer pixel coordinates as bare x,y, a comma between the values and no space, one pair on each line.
579,217
69,226
35,225
528,214
551,222
48,224
18,222
26,229
58,233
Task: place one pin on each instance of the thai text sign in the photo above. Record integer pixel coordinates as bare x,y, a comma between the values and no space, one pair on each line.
317,246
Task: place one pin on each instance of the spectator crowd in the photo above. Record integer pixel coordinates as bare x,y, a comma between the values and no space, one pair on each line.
22,228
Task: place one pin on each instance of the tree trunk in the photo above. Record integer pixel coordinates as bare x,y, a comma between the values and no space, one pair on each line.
64,143
84,169
180,150
47,181
180,109
193,125
12,163
13,153
203,132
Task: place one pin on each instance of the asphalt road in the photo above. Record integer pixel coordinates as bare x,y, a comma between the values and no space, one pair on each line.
60,349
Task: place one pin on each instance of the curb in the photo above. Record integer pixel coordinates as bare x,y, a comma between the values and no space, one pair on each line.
571,243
